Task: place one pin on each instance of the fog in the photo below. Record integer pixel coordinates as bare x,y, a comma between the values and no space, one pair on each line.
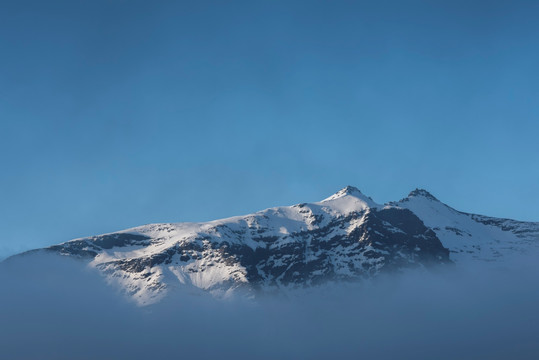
57,309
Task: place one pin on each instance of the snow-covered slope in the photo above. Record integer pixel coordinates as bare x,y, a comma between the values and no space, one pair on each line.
345,237
471,237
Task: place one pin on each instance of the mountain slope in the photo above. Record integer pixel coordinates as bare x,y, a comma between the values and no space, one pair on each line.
346,237
472,237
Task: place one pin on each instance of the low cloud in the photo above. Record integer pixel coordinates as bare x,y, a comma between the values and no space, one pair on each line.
53,308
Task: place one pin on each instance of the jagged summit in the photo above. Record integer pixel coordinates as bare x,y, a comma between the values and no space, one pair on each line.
422,193
351,191
347,190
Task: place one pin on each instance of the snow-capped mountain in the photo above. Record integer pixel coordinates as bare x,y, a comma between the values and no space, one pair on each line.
345,237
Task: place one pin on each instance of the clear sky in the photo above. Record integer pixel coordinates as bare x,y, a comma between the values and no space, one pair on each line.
116,113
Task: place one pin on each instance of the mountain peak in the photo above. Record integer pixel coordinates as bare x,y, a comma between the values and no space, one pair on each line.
422,193
353,192
347,190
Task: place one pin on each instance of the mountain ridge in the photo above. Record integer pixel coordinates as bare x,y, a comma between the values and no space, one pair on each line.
345,237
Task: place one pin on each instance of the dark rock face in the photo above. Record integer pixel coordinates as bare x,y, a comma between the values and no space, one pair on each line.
387,240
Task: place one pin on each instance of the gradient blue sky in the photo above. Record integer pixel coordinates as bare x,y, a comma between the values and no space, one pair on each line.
120,113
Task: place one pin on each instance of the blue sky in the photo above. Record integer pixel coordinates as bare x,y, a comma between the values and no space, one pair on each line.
115,113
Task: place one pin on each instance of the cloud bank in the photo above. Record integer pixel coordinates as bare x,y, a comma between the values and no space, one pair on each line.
53,308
